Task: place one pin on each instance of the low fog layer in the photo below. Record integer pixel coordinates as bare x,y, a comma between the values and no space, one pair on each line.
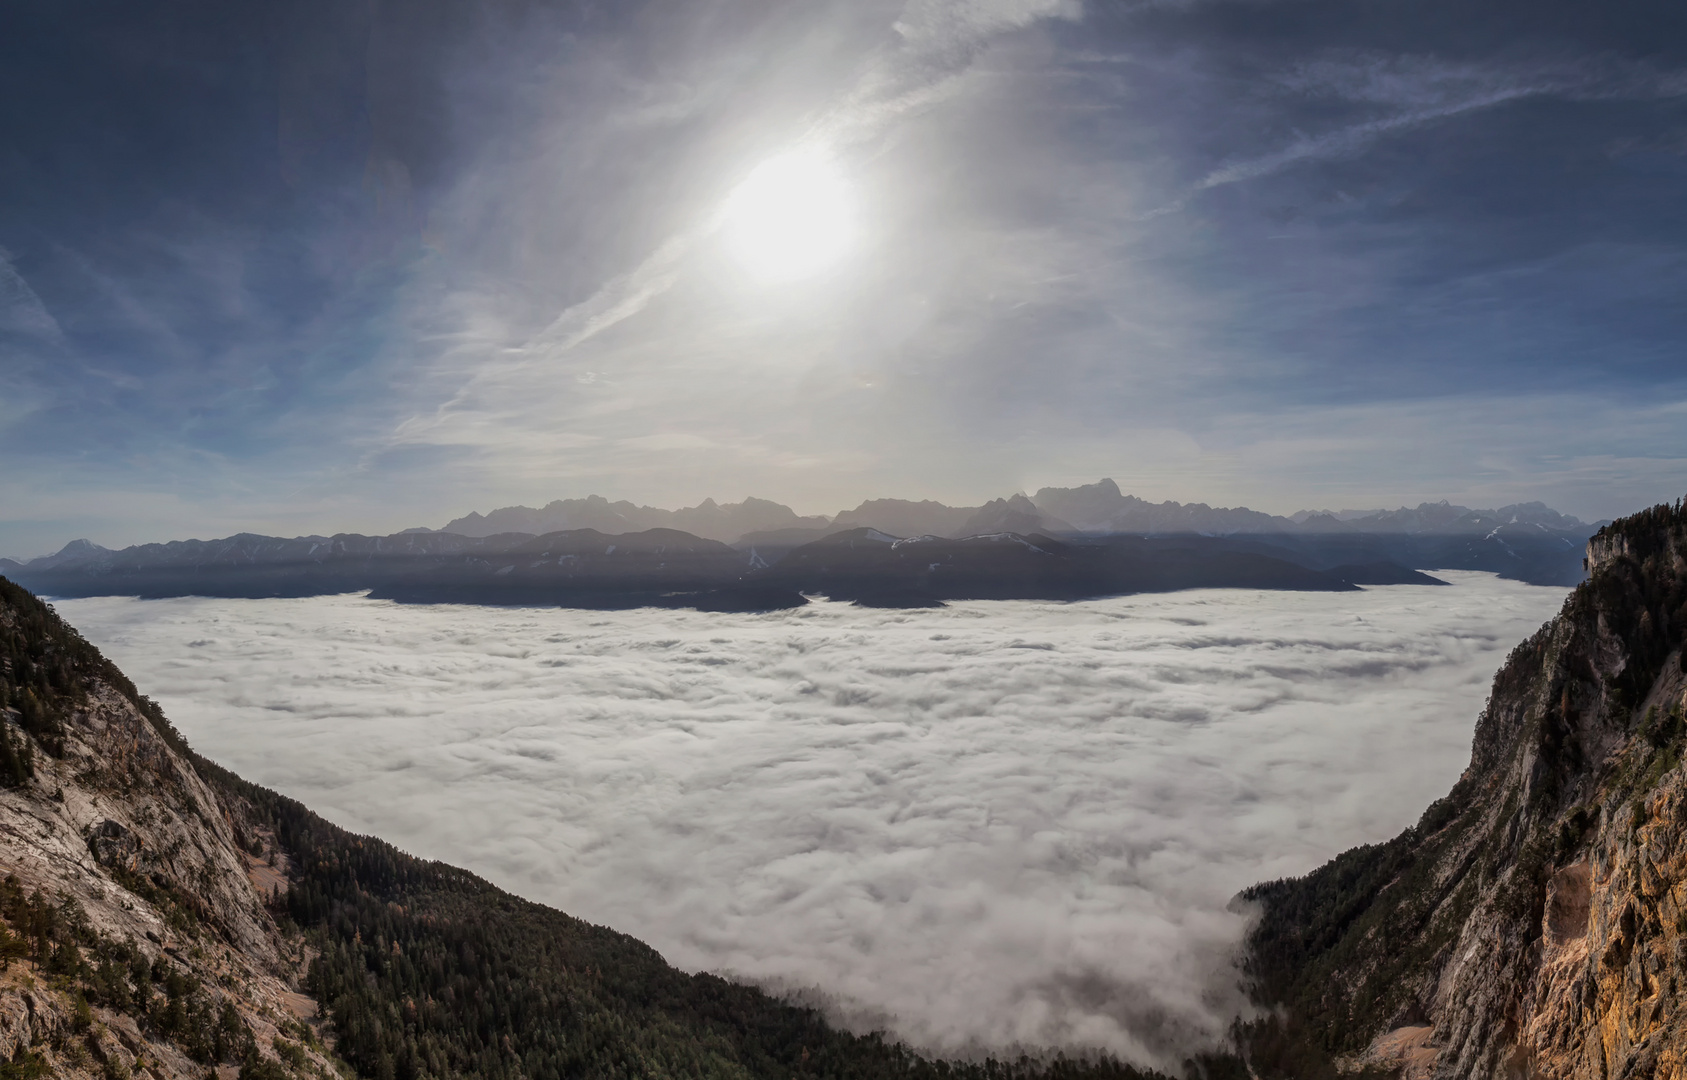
987,825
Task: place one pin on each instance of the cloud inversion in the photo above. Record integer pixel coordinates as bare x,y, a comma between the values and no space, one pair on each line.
988,826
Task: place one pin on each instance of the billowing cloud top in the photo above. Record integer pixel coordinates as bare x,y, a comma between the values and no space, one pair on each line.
982,826
323,267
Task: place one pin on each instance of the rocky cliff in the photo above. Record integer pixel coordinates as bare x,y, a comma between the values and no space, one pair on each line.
136,941
1534,922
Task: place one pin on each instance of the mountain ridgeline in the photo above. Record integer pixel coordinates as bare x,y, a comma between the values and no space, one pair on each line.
885,551
1534,922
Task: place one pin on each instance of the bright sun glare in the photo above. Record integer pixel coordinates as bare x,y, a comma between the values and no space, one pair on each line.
791,217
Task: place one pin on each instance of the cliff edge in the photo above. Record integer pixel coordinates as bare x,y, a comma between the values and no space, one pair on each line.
1533,924
136,939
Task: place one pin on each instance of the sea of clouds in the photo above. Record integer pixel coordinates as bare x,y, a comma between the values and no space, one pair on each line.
988,826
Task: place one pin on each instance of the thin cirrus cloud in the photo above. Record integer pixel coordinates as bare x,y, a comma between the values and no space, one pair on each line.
1422,91
989,827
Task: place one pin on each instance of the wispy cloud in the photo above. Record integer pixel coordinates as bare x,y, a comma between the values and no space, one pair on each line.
938,41
21,310
1349,140
1424,91
619,299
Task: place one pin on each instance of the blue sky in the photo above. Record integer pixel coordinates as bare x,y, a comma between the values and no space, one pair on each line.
328,266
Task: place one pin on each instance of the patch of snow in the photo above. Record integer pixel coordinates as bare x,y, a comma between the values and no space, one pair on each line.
1008,538
924,539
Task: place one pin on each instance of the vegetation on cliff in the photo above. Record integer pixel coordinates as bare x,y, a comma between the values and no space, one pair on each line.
1476,930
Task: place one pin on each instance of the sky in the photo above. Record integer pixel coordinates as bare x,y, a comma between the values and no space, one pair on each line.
311,266
986,826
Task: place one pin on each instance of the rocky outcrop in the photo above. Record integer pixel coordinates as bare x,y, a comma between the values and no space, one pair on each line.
1534,922
133,937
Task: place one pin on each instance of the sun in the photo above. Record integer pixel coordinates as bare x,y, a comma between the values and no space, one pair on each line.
791,218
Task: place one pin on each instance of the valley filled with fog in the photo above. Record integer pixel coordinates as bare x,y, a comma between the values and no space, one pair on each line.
991,824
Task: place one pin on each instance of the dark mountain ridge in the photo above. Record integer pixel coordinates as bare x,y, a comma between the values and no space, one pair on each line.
1527,541
583,567
874,568
709,519
666,568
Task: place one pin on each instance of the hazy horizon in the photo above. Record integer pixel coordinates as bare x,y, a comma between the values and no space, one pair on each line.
184,534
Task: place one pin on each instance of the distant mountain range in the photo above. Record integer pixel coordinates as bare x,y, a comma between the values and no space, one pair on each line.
1099,508
708,519
1061,543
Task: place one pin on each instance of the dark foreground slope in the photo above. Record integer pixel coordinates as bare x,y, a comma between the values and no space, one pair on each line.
1534,922
160,916
581,568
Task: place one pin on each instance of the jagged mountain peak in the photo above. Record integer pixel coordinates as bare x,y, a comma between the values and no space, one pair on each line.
709,519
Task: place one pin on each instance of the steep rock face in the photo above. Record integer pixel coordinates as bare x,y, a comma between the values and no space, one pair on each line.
134,939
1534,922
